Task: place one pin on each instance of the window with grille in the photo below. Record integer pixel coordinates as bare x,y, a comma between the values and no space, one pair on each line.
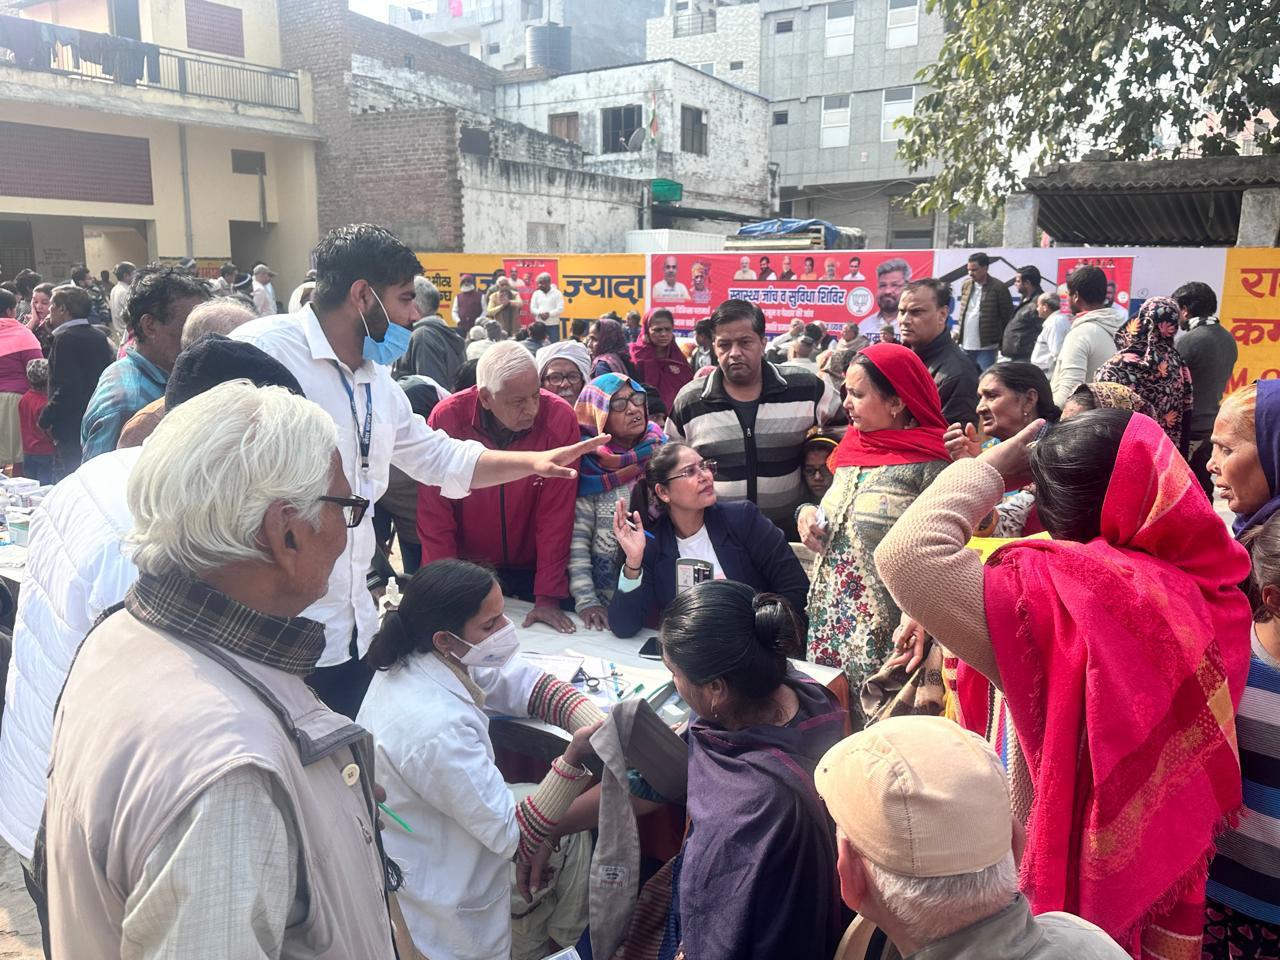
784,26
248,161
835,121
494,49
839,38
904,24
693,130
898,102
617,124
781,118
564,126
215,27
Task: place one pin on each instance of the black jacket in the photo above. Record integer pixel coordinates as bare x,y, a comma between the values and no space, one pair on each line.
750,549
1020,335
436,350
76,360
956,376
994,312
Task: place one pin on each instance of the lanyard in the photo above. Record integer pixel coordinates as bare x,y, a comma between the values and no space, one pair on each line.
365,438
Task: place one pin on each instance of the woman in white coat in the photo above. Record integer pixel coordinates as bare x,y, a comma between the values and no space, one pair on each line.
446,661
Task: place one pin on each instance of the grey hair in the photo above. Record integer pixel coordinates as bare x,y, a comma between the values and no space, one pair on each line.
504,360
219,315
935,907
1051,300
896,265
214,465
426,296
539,278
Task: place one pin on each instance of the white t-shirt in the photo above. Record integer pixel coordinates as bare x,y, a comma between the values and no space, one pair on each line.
972,325
699,547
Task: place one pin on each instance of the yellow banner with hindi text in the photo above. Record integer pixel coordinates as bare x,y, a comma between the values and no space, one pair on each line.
1251,311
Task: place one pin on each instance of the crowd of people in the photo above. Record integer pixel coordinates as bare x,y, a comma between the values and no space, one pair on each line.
1061,666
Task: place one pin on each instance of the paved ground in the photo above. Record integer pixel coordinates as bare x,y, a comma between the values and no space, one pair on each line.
19,931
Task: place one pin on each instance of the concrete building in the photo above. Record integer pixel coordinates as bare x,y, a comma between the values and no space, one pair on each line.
193,141
454,155
515,34
719,38
837,74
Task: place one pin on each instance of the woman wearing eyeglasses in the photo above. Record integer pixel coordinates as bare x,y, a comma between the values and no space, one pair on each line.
693,538
563,368
617,406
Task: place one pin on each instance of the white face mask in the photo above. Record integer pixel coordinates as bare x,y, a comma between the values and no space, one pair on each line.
495,650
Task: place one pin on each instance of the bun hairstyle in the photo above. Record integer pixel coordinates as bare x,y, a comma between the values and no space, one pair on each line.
721,629
1072,468
1263,544
443,595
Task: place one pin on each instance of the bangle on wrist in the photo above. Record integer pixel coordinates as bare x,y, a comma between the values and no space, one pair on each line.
627,567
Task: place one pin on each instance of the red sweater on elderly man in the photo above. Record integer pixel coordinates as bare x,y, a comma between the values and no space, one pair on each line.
523,525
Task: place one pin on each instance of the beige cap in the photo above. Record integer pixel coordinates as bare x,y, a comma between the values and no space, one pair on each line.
919,796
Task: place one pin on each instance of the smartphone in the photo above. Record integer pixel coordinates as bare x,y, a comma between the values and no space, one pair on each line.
650,649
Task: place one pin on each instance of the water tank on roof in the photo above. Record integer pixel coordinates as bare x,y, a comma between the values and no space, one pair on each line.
547,45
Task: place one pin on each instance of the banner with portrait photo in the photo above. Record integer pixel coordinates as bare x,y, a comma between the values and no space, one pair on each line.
831,286
1119,271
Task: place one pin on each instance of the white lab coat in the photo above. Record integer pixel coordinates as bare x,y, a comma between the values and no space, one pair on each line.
436,762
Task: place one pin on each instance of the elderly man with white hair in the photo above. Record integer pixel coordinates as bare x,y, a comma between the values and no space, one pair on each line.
925,842
521,528
546,303
201,801
436,350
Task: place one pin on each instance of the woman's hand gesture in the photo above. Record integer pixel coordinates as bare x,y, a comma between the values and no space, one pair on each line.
629,532
962,441
1012,457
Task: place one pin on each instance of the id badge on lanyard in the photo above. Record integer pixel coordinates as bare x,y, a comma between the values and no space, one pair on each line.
364,433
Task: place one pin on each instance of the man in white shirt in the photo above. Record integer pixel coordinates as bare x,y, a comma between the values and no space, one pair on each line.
120,297
547,302
264,293
744,270
340,347
855,270
669,288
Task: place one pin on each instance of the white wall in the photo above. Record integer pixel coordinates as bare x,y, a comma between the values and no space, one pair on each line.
735,38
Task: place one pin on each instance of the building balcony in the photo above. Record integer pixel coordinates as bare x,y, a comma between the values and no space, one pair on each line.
148,66
693,24
161,83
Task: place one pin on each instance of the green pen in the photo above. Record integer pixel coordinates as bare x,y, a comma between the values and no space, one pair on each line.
394,816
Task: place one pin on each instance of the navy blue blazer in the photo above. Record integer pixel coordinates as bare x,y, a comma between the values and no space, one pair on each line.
750,548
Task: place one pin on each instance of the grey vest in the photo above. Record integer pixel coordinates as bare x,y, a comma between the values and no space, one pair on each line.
147,721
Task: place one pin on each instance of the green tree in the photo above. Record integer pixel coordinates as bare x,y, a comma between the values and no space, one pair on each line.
1045,80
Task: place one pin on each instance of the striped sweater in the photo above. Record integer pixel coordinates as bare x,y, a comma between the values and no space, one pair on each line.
1245,875
758,461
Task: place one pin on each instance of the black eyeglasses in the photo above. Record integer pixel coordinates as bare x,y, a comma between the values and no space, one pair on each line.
618,404
560,379
353,507
691,471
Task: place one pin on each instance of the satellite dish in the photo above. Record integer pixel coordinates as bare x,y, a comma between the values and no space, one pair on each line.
635,143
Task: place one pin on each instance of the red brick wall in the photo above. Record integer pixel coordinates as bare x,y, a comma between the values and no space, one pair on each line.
215,27
71,165
398,169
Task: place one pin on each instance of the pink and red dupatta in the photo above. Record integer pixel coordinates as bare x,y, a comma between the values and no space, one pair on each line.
1122,661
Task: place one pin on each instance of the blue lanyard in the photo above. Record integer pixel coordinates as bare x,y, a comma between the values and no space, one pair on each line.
365,438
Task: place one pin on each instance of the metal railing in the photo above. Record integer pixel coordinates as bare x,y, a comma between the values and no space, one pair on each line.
148,66
693,24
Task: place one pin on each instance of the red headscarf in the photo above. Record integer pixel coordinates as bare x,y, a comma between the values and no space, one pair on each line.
1122,662
665,369
919,444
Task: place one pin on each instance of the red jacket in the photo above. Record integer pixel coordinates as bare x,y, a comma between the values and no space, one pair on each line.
524,525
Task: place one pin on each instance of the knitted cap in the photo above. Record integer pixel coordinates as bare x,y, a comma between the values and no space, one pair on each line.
215,359
919,796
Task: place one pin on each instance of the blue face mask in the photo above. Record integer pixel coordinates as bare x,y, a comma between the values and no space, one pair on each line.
393,343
